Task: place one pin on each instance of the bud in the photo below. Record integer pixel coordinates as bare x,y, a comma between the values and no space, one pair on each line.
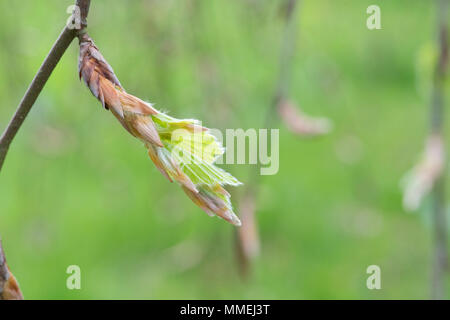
9,288
182,150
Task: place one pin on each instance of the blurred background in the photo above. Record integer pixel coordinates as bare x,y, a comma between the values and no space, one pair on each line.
77,189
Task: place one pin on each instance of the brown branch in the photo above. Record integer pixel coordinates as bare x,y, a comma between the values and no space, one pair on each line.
9,288
84,11
440,263
40,79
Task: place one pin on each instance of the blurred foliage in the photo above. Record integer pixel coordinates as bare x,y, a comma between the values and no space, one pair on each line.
77,189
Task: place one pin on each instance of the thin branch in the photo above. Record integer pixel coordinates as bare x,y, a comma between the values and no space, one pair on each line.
286,60
9,289
286,56
440,263
40,79
247,235
84,6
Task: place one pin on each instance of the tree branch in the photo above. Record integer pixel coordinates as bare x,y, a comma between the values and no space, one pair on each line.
40,79
84,11
437,126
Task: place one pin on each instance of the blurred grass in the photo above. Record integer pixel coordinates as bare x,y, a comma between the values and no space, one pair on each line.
77,189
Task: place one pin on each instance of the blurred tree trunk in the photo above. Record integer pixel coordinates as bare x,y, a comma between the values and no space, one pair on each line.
437,128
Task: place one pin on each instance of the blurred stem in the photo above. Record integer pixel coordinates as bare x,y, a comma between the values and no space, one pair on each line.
40,79
286,59
440,259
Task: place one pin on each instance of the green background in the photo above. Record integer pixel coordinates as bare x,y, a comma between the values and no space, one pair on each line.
78,189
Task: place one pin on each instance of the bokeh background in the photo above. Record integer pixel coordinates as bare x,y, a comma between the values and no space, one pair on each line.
77,189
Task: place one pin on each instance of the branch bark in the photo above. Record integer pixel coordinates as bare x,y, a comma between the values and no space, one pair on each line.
440,263
40,79
9,288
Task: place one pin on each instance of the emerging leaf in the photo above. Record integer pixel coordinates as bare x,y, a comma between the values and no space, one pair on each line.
182,150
